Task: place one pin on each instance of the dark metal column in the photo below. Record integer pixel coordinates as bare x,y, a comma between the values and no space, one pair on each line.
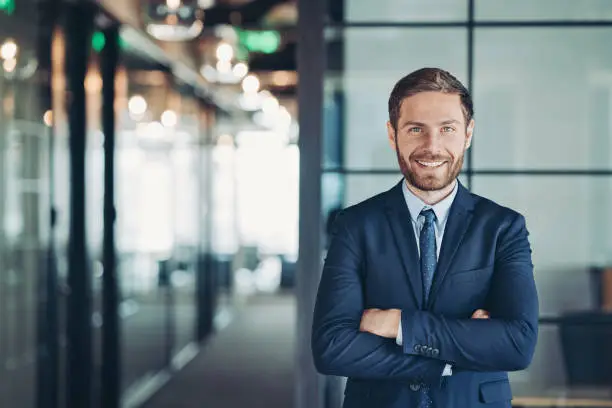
47,384
206,282
311,68
78,27
470,86
111,356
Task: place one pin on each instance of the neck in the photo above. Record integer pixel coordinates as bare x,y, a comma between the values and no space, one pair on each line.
432,197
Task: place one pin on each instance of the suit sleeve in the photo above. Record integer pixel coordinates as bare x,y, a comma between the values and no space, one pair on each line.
506,341
338,347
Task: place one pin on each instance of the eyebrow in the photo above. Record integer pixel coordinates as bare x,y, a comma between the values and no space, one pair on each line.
446,122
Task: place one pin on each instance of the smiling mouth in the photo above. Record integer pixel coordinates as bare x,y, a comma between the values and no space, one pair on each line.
430,164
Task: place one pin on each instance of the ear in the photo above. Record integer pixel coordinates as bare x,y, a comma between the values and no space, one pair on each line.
469,132
391,134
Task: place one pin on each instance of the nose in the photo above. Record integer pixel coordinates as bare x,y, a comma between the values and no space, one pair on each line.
432,140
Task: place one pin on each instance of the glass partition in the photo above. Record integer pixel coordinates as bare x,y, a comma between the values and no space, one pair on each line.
539,73
25,189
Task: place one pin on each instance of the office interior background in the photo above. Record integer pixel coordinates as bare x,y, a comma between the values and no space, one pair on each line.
169,170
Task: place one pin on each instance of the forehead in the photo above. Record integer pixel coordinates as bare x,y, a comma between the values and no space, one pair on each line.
426,106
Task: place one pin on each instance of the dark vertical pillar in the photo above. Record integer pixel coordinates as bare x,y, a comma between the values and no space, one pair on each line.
470,85
47,384
166,268
78,26
311,68
111,356
205,278
199,271
206,295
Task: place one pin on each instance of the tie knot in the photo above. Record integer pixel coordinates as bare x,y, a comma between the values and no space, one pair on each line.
429,214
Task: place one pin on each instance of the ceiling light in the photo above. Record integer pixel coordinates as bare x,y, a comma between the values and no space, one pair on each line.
9,65
224,67
173,4
169,118
137,105
8,50
250,84
165,32
225,52
48,118
240,70
270,105
204,4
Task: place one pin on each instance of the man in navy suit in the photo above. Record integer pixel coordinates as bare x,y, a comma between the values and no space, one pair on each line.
427,297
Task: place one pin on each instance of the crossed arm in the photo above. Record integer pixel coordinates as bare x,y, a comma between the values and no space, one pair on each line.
344,342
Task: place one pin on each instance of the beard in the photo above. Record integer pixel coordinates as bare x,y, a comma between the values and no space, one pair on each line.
431,182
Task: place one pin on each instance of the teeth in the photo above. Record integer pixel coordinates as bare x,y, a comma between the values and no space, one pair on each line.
430,164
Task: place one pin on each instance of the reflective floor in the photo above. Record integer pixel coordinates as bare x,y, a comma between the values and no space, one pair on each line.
250,363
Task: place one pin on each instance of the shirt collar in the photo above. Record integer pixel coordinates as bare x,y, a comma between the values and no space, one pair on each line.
416,205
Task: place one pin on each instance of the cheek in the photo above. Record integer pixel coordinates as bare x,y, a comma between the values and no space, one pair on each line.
405,153
406,148
457,147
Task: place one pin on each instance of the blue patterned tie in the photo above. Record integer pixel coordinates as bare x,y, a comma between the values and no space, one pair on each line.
427,245
429,260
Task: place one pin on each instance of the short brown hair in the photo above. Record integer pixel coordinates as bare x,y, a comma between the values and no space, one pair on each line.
428,80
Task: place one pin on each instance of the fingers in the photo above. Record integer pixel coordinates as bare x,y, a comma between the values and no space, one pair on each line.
366,319
480,314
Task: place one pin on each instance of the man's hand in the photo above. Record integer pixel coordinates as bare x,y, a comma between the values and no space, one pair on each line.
384,323
480,314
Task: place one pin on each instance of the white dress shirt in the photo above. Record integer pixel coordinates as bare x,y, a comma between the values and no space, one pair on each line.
441,209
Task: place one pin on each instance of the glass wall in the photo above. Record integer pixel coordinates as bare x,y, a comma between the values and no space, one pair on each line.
159,200
61,200
25,189
224,229
163,219
540,75
94,210
255,202
144,220
187,171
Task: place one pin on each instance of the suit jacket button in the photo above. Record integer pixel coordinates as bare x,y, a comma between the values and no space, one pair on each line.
435,352
415,387
429,350
417,348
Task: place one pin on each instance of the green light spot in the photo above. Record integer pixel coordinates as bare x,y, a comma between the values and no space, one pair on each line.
97,41
8,6
266,41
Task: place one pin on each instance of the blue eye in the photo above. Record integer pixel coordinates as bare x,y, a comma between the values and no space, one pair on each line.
414,130
447,129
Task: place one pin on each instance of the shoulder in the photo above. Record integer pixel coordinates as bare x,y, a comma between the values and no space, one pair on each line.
502,215
357,215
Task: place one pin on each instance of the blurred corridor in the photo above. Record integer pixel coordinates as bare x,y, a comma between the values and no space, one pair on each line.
250,363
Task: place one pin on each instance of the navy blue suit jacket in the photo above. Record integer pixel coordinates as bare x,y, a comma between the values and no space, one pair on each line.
373,262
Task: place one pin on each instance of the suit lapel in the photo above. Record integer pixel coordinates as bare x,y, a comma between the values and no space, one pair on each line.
398,216
459,219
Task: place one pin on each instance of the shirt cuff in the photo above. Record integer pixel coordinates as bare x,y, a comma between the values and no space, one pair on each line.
399,338
448,371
